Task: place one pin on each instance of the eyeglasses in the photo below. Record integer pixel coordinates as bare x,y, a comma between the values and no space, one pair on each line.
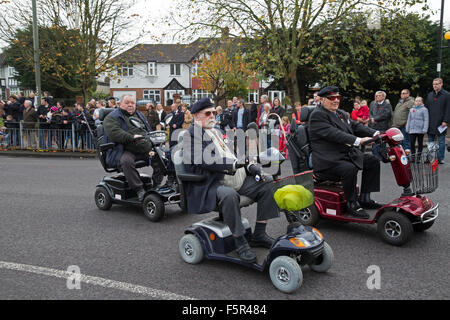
208,113
334,98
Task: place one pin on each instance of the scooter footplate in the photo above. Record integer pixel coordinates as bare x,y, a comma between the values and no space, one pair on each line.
261,254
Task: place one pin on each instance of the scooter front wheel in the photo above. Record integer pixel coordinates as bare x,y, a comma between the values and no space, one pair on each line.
191,249
395,228
286,274
153,207
325,261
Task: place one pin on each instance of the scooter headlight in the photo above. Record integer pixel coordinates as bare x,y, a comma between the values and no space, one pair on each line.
300,242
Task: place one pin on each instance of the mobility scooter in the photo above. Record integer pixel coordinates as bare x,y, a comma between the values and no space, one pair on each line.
397,220
301,245
115,190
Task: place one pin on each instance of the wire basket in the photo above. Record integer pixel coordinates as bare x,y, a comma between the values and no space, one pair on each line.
424,171
304,179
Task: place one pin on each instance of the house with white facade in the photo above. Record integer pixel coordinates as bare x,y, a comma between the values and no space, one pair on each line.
8,84
158,72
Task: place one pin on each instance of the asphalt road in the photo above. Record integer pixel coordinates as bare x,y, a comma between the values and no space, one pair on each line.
49,221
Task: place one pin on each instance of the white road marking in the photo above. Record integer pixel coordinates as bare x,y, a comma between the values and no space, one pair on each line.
97,281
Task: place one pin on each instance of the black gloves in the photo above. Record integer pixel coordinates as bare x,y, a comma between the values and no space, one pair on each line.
254,170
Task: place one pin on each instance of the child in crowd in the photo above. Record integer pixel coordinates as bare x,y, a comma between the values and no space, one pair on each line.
417,124
360,112
283,142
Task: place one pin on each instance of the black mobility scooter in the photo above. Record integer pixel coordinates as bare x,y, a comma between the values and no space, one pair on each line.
212,238
115,190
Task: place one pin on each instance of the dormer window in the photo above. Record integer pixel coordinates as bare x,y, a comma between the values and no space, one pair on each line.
151,68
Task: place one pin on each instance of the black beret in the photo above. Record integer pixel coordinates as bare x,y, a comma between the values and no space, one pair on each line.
111,98
202,104
328,91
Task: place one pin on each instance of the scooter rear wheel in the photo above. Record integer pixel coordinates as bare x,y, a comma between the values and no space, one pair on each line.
102,199
308,216
286,274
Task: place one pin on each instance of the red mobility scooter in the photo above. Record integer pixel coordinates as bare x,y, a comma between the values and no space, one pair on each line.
397,220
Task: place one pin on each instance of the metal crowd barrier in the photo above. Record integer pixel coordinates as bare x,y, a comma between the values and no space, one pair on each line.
20,138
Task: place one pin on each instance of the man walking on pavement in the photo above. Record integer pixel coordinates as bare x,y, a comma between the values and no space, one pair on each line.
438,104
401,115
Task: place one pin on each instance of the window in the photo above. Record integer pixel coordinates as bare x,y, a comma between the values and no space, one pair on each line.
253,95
151,67
175,69
195,69
12,82
11,72
125,70
199,94
154,95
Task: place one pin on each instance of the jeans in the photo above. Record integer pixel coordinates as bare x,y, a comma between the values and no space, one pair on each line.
441,143
406,143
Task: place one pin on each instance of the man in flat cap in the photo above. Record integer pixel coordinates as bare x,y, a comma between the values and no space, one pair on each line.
205,152
335,155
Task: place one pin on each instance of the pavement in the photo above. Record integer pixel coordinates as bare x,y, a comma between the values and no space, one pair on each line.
49,223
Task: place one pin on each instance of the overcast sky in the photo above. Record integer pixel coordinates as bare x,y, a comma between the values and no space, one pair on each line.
154,10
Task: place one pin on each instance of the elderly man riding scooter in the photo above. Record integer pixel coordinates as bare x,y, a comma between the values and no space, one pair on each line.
226,180
335,141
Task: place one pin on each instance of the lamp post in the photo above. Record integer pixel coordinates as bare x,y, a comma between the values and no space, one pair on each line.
37,66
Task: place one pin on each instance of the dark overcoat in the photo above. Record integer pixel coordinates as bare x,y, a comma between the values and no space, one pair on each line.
332,137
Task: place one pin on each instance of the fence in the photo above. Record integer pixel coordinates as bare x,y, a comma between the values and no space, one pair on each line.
15,136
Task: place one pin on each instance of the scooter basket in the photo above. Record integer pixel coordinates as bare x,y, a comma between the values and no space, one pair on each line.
424,171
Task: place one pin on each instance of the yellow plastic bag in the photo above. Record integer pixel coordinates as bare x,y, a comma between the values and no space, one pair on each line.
293,197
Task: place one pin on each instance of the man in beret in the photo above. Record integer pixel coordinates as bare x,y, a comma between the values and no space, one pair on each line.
335,155
205,152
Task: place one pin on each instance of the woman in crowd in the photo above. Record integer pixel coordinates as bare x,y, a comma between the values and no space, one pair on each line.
219,117
417,124
187,117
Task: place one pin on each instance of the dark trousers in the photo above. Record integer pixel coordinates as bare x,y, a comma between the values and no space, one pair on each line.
347,173
419,137
228,201
128,166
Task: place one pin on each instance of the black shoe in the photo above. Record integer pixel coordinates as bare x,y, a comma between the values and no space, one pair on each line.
140,194
246,254
371,204
261,240
356,210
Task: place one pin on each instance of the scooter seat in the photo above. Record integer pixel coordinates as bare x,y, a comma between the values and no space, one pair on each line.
324,182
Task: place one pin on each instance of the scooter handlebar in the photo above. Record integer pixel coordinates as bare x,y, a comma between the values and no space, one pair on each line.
374,139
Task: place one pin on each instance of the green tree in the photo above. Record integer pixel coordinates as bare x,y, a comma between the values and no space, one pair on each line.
400,54
91,27
285,25
59,59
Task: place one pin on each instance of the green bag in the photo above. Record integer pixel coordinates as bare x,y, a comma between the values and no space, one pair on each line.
293,197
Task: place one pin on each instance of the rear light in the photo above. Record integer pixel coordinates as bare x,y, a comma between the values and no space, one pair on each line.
392,158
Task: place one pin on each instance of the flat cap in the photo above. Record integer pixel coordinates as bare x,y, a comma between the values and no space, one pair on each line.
328,91
202,104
